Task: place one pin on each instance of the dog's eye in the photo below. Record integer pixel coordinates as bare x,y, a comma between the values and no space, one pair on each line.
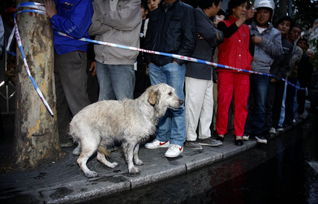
170,93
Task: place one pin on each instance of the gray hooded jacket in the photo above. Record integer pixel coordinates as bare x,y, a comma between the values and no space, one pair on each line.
116,21
270,48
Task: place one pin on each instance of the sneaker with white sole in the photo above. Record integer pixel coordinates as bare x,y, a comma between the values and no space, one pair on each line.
174,151
246,137
272,131
261,139
155,144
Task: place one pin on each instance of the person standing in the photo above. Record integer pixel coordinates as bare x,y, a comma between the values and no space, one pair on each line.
116,21
198,81
72,17
268,46
279,68
170,29
291,92
235,52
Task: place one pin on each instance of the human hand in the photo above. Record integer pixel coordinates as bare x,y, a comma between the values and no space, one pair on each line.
257,39
92,68
50,8
199,36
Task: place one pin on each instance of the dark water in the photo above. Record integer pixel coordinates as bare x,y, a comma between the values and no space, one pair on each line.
275,173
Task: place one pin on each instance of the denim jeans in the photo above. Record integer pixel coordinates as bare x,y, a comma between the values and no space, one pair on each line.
257,108
115,81
171,126
283,109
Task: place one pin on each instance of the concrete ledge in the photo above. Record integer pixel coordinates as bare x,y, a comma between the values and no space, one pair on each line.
63,182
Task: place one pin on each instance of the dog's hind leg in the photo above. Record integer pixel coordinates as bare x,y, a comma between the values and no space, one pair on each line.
136,156
88,149
129,153
103,160
77,149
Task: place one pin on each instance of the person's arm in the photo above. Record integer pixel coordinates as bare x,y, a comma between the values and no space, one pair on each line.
227,31
273,46
209,33
188,30
126,17
79,22
98,27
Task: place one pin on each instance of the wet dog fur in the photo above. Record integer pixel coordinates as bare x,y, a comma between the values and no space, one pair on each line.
128,121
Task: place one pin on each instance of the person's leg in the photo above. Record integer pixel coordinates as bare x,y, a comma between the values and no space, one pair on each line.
261,90
282,115
277,104
241,93
206,111
64,114
73,76
290,103
123,80
225,93
175,74
104,82
156,77
193,104
272,94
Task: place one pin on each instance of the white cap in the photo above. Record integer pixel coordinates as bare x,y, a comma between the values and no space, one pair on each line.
264,4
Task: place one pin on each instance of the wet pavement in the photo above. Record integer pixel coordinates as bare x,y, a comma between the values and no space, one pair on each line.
278,171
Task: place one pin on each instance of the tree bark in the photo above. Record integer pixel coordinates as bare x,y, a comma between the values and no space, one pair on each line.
35,129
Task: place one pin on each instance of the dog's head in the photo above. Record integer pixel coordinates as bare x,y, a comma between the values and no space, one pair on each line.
163,96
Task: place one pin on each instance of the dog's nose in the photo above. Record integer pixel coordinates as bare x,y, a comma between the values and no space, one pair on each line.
181,101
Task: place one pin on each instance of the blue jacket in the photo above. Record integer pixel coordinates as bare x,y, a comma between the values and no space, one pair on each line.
73,18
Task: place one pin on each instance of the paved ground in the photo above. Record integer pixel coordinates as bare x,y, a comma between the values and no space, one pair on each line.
63,182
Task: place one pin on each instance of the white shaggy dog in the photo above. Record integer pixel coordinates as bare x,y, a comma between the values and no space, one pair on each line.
129,121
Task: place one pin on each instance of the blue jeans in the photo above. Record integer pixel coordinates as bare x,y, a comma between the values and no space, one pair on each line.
256,124
115,81
171,126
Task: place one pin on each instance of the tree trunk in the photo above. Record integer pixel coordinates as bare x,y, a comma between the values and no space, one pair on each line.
35,129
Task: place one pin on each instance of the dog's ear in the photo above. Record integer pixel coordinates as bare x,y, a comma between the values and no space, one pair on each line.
153,97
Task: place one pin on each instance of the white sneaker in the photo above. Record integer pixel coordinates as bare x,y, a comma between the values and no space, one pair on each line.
155,144
246,137
174,151
272,131
261,139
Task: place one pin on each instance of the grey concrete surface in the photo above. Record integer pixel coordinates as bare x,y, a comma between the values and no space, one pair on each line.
63,182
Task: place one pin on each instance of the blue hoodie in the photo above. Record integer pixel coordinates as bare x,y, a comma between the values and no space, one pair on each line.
73,18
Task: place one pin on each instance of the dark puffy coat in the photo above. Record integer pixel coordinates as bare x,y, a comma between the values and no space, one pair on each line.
207,38
170,29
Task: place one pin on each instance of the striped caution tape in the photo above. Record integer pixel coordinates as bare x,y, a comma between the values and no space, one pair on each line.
41,10
181,57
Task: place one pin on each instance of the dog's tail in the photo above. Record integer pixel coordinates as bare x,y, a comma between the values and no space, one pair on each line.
103,150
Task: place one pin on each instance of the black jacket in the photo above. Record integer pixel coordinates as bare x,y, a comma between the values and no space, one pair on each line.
280,66
207,38
170,29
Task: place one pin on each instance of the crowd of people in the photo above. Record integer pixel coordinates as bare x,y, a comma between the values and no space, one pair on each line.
245,36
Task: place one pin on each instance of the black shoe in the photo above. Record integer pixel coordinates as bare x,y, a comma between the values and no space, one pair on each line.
219,138
238,142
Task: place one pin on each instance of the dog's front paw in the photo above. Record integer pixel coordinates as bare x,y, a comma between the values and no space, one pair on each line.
139,162
134,170
90,174
113,165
